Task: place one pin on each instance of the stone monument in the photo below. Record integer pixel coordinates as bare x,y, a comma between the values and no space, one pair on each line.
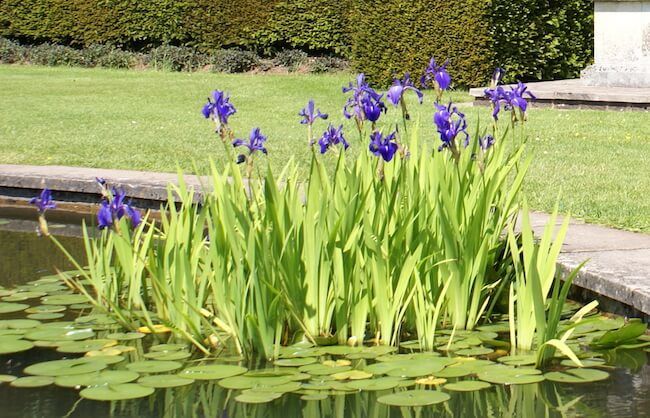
621,44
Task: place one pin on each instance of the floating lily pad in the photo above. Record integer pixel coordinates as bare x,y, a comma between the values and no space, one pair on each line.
7,378
85,346
577,375
518,360
323,369
45,316
108,359
8,307
417,368
125,336
431,381
80,306
510,375
32,382
593,362
295,362
168,347
65,367
352,375
212,371
104,377
155,329
257,397
314,397
67,299
381,383
116,392
12,345
164,381
414,398
20,296
455,371
153,366
475,351
252,382
60,334
168,355
467,386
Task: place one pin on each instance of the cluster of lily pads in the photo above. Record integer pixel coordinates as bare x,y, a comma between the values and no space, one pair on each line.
106,362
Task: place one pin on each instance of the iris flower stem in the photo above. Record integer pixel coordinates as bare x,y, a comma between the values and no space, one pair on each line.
405,115
310,135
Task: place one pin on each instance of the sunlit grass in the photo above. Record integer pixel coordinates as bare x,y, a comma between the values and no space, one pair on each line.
598,161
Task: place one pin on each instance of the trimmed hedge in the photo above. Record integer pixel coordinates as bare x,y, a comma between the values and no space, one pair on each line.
542,39
394,36
531,39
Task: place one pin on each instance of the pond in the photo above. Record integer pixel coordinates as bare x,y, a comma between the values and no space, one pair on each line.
25,257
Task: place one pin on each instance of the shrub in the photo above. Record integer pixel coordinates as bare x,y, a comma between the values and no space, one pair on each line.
175,58
52,55
234,61
290,58
328,64
11,52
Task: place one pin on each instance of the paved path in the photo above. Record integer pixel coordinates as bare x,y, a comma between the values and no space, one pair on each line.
618,267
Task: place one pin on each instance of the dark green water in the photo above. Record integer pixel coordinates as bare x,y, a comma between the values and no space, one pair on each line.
24,256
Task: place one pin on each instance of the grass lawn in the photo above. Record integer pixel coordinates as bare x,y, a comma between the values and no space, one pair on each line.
597,162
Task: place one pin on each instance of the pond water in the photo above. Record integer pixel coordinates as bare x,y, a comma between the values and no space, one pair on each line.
24,257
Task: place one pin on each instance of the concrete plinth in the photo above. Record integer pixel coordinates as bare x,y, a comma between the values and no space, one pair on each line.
621,44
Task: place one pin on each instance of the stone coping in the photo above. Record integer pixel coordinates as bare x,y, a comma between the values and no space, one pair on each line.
618,266
576,91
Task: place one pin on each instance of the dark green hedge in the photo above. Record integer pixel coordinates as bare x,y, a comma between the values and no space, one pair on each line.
542,39
531,39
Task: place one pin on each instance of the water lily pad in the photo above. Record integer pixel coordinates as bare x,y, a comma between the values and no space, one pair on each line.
314,397
32,382
577,375
414,398
371,352
417,368
212,371
455,371
283,388
257,397
104,377
323,369
45,316
65,367
475,351
431,381
155,329
8,307
168,355
125,336
20,296
506,375
116,392
295,362
85,346
252,382
7,378
467,386
164,381
66,299
381,383
168,347
12,345
107,359
81,306
352,375
593,362
60,334
518,360
153,366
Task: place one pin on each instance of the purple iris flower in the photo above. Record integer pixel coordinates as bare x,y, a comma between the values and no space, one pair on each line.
219,107
44,201
310,114
516,97
486,142
365,102
255,142
437,74
399,87
332,136
450,123
116,208
497,96
372,107
384,147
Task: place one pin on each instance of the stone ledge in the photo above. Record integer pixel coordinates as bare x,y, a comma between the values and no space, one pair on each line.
618,267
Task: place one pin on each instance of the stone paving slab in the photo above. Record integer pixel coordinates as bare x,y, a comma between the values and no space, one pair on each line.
618,266
575,92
